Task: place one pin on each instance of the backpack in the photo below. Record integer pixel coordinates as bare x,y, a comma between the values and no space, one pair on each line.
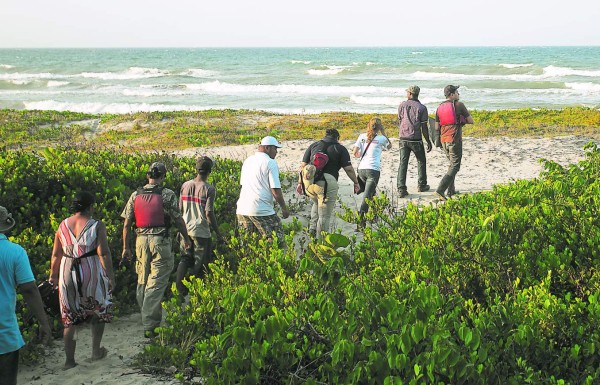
148,208
313,171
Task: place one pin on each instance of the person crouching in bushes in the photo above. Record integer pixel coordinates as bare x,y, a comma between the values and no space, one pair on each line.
196,201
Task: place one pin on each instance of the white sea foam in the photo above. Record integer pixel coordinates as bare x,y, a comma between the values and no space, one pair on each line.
515,65
26,76
584,87
417,53
56,83
376,100
6,66
232,88
552,71
327,70
130,74
300,61
148,92
199,73
19,82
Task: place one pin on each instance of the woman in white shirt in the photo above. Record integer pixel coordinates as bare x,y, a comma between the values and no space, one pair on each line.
368,148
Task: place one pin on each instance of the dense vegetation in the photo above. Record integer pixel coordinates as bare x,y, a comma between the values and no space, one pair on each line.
493,288
500,287
38,187
175,130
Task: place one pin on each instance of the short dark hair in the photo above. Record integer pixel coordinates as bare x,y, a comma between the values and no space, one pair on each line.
204,165
82,201
332,133
450,89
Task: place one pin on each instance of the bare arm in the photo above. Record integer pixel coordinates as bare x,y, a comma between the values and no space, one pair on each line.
351,174
356,152
33,299
212,221
469,120
278,195
126,232
103,251
182,228
57,254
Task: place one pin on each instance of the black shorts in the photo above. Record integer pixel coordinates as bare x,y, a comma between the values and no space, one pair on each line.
9,367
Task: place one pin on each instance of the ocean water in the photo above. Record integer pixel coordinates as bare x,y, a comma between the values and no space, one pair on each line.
296,80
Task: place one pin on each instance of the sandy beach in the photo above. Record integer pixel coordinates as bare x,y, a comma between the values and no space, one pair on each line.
486,162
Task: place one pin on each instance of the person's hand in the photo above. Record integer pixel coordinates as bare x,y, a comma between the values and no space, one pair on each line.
53,281
356,188
45,333
187,243
125,256
429,146
285,212
299,189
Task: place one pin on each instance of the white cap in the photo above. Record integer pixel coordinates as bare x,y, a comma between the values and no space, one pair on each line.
270,141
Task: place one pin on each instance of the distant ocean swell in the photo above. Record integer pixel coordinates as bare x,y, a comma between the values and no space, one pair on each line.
294,80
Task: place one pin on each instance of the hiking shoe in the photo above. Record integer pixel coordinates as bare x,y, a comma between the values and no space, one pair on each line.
402,193
440,196
423,188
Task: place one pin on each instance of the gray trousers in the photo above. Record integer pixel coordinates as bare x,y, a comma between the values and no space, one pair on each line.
454,154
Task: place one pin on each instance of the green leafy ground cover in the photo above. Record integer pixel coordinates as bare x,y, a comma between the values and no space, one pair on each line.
176,130
500,287
493,288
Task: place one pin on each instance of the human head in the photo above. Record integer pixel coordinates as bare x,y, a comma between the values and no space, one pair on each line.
82,201
269,145
6,220
204,165
373,127
451,90
332,133
413,91
156,170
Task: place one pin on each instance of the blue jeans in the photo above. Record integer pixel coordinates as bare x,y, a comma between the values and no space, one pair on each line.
371,178
406,146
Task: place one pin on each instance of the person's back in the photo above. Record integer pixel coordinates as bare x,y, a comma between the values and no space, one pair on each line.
195,196
325,197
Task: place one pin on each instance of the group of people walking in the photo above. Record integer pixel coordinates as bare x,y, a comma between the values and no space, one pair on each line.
81,263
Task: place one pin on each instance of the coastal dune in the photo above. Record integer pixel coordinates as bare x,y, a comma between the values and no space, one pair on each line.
486,162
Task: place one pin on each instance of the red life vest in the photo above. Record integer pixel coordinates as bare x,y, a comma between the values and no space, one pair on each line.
148,208
446,113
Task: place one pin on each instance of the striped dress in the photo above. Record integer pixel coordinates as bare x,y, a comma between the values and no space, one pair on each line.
83,284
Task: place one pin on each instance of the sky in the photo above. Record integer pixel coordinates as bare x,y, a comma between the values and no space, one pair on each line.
288,23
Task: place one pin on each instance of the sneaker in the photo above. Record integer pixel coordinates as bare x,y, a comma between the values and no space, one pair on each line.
440,196
402,193
423,188
451,193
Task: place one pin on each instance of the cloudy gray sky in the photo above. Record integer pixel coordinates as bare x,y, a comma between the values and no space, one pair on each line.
306,23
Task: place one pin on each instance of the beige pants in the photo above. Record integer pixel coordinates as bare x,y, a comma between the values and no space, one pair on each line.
153,266
323,205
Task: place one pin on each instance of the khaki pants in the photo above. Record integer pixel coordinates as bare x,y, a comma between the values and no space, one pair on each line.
153,266
323,205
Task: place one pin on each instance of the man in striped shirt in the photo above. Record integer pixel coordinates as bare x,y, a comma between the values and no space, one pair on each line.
196,202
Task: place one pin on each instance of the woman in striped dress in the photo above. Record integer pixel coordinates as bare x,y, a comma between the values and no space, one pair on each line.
81,265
